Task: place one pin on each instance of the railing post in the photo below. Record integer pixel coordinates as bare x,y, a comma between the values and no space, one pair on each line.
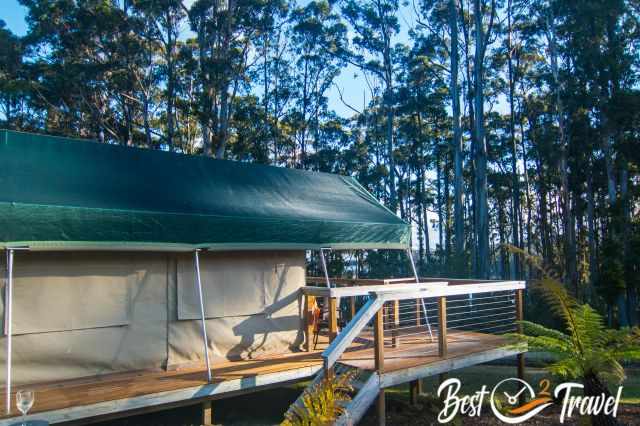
442,327
333,318
520,317
395,340
378,339
309,303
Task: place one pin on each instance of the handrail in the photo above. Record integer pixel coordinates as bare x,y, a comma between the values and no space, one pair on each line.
344,339
456,290
379,296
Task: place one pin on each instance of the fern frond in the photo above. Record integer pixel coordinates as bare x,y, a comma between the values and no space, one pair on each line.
543,344
533,329
322,403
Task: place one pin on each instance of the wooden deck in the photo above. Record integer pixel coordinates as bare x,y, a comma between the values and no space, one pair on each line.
115,395
415,350
101,396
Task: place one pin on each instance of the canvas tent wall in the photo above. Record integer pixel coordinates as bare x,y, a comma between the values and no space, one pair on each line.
88,313
106,282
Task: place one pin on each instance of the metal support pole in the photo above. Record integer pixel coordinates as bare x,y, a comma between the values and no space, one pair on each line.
324,268
8,320
202,317
424,307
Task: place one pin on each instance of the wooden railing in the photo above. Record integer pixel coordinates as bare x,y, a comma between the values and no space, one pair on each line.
384,307
379,295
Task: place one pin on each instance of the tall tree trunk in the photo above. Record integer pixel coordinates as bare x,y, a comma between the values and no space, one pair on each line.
482,206
527,186
458,207
632,306
591,236
515,179
447,208
170,52
388,100
440,199
568,220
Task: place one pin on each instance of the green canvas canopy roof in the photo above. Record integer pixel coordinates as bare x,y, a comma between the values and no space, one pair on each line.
59,193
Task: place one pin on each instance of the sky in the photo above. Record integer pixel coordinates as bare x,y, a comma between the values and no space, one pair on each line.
350,82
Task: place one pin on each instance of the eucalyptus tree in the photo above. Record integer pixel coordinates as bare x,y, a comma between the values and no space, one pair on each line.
373,25
484,24
318,35
226,33
164,20
13,85
437,22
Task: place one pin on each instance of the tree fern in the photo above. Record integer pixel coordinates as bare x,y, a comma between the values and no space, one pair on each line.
323,403
587,351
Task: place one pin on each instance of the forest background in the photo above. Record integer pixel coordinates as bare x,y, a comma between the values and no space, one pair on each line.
482,123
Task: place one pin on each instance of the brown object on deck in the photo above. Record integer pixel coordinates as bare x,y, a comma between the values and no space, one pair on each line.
442,327
309,307
333,318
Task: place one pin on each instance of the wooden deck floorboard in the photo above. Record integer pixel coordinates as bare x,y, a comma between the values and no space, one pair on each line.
109,387
413,350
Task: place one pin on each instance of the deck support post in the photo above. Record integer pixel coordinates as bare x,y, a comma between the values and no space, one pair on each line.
8,320
206,413
520,317
415,389
205,340
378,339
309,302
424,307
442,327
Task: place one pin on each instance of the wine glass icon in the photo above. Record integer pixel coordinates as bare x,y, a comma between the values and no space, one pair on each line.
24,402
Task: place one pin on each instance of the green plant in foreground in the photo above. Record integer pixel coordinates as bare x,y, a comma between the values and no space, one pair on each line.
323,403
587,351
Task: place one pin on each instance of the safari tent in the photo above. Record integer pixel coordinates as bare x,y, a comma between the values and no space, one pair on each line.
115,254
